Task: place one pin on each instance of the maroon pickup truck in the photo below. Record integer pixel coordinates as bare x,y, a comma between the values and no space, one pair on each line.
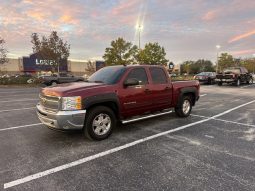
115,94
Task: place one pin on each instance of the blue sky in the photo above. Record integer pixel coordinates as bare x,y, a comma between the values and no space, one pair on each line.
188,30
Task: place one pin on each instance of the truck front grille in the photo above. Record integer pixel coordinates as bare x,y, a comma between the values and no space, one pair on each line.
49,103
224,76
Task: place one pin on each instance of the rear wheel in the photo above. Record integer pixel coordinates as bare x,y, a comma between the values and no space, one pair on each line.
99,123
184,107
53,83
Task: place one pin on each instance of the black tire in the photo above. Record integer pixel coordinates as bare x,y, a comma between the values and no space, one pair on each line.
209,81
92,115
53,83
250,81
238,82
219,83
180,108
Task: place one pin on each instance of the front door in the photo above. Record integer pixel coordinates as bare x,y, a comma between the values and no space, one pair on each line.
161,89
135,100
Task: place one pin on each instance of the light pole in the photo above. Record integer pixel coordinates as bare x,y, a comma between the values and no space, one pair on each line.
218,47
253,62
139,27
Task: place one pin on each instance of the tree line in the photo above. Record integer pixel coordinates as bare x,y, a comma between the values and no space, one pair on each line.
121,52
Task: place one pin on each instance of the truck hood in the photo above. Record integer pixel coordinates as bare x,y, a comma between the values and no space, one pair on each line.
69,89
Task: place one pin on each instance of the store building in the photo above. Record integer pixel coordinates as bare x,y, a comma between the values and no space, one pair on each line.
34,64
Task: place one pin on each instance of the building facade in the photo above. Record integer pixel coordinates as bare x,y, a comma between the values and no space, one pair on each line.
36,65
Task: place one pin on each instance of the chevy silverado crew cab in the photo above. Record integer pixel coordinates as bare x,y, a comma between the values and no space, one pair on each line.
115,94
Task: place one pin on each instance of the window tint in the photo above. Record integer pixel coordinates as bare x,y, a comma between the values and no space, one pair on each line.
139,74
158,76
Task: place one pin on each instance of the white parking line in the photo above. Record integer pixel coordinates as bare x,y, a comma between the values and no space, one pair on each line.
203,95
226,121
108,152
25,108
17,127
5,101
15,95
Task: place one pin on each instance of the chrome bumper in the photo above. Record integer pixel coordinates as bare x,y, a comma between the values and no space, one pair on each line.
61,120
224,80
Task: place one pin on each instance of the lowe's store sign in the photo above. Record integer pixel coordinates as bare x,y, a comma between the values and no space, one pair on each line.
35,63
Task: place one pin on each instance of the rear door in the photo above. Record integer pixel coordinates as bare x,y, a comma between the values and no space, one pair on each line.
135,100
161,88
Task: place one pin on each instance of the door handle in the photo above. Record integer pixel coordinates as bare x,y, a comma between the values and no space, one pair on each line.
147,90
167,88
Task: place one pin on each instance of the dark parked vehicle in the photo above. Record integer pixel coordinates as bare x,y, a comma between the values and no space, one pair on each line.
59,79
116,93
234,75
206,77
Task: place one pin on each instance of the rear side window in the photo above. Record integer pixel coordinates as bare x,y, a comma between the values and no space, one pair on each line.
158,76
139,74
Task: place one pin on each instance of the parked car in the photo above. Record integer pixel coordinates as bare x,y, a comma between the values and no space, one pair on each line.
234,75
59,78
112,94
206,77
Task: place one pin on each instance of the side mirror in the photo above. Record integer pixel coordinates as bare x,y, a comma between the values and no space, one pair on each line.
131,82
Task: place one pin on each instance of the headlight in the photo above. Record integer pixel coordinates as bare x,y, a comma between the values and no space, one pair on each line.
71,103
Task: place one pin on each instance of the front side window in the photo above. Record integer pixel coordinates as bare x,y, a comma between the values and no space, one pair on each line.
158,76
138,74
108,75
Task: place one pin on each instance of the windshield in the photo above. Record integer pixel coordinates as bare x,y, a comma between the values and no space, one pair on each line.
108,75
232,70
204,74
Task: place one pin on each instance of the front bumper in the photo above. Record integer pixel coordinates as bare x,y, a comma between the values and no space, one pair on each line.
61,120
225,80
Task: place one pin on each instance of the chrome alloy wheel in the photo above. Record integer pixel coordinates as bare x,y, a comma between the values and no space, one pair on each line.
101,124
186,106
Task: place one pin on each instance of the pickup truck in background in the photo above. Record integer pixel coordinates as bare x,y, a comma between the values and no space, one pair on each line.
60,78
234,75
115,94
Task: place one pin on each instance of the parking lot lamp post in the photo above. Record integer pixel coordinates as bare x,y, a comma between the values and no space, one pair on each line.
253,62
139,28
218,48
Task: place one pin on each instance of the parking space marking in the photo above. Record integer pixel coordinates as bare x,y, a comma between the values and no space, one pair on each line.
16,95
203,95
6,101
247,86
25,108
226,121
113,150
17,127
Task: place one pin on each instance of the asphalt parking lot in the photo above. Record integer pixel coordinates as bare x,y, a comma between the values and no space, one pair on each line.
213,149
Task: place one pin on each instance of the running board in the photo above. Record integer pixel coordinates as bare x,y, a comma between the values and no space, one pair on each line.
145,117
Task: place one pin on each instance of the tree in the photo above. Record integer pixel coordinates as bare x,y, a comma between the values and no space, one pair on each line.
194,67
91,68
204,66
152,54
225,60
51,48
3,52
121,52
186,66
249,64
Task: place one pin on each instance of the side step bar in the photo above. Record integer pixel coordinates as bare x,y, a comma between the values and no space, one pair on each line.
146,117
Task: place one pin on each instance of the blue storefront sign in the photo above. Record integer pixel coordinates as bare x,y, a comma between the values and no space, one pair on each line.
99,65
36,63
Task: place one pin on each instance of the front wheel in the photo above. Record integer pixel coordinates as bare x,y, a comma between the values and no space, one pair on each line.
184,108
219,83
99,123
250,81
